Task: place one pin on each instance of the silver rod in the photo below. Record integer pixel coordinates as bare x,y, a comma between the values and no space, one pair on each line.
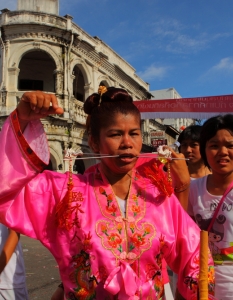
76,158
94,154
145,156
163,157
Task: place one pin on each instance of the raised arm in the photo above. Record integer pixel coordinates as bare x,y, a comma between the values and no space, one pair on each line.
180,178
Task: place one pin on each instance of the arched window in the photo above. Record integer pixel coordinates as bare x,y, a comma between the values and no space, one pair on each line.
78,84
36,72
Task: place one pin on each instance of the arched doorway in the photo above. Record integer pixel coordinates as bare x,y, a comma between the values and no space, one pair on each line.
78,84
36,72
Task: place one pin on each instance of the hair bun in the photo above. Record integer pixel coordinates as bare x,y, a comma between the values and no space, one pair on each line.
91,102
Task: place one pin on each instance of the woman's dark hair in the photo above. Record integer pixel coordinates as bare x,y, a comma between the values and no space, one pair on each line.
210,128
191,132
102,109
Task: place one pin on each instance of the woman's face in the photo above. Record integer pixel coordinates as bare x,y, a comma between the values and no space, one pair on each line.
122,137
219,152
191,150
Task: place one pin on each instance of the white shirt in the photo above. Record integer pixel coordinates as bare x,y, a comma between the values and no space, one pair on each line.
202,205
13,276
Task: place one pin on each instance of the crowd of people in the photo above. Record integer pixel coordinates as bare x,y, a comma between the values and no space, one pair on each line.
114,228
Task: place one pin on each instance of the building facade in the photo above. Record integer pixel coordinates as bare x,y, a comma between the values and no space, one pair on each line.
171,93
163,131
41,50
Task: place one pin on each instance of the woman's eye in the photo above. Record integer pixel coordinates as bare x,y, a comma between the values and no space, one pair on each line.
213,146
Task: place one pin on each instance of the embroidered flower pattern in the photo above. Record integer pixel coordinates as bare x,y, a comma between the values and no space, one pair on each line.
126,237
154,273
119,227
114,240
111,208
132,227
135,208
137,240
104,229
192,282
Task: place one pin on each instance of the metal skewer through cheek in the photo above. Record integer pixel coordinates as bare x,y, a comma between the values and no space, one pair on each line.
99,156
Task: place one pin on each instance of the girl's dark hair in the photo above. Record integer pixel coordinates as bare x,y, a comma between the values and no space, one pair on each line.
102,109
210,128
191,132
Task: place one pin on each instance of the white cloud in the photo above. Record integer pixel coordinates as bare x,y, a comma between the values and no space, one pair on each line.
176,37
224,68
225,64
153,72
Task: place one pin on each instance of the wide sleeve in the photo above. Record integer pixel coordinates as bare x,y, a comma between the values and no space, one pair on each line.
184,254
27,197
19,163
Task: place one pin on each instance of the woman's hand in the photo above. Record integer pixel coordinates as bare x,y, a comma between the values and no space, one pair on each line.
36,105
180,177
179,169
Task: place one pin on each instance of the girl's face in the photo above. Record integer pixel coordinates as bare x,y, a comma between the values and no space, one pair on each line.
219,152
191,150
122,137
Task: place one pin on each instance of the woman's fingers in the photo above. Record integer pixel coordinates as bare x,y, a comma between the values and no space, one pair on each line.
41,104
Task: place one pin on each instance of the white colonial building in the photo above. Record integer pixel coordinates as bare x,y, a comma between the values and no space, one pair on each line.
41,50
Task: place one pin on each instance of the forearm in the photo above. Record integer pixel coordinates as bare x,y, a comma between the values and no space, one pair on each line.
8,249
182,195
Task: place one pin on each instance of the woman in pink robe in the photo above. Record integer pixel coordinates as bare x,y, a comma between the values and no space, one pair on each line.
103,252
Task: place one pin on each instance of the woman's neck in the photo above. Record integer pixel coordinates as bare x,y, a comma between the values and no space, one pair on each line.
218,183
120,183
198,170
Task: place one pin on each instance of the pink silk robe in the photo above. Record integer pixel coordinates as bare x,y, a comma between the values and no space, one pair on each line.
103,255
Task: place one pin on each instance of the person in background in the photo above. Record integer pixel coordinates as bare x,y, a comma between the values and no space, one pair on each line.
59,293
211,199
108,229
189,140
12,271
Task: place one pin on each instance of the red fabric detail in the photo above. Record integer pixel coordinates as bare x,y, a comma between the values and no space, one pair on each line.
159,179
28,153
68,209
63,209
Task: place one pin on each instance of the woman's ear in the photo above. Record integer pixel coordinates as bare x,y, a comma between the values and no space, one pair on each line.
93,144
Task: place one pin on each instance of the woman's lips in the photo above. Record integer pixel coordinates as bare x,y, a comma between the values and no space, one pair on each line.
127,157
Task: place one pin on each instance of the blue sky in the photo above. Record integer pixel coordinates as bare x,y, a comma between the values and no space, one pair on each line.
185,44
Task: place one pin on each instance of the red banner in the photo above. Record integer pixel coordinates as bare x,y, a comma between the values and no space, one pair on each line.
198,108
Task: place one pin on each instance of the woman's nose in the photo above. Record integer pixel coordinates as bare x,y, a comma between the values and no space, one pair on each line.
223,150
189,149
126,141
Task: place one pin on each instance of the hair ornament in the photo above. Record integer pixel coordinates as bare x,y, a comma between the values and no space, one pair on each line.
101,90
